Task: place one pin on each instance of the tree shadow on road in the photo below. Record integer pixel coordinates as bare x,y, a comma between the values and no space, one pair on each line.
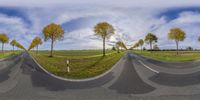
129,81
4,73
176,79
40,79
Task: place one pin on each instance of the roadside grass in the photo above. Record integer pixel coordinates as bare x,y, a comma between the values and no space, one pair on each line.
83,63
171,56
76,53
8,54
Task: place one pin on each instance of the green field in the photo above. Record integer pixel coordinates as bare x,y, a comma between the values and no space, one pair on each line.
83,63
8,54
171,56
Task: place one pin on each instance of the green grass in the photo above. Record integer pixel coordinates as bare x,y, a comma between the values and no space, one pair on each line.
83,63
8,54
76,53
171,56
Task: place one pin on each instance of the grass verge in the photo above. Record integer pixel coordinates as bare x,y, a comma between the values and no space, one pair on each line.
8,54
83,63
171,56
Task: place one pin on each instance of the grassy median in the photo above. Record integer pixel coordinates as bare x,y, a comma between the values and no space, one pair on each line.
83,63
171,56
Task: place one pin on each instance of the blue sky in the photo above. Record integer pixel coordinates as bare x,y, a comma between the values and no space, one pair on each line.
24,19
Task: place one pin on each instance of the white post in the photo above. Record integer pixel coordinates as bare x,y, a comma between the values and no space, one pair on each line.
68,70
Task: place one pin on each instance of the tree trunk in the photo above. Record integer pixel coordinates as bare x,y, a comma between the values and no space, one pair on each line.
13,49
2,47
141,48
117,49
104,46
37,49
51,54
177,47
150,44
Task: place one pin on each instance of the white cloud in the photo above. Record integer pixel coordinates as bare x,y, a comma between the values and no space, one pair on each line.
132,20
188,22
116,3
188,17
14,27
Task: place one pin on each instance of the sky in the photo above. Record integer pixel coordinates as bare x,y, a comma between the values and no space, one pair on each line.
132,19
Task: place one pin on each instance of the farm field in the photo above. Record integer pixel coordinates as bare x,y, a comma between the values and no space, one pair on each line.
83,63
8,54
171,56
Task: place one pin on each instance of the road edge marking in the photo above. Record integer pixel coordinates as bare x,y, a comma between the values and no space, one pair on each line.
148,67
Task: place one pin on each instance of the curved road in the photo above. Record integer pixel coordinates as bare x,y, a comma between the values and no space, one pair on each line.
22,79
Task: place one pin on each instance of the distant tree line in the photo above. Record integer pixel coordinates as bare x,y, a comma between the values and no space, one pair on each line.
4,39
175,34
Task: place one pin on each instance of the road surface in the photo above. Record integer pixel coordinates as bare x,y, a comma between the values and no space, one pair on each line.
132,78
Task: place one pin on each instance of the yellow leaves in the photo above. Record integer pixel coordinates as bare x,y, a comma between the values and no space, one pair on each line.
136,45
18,45
176,34
150,37
104,30
141,42
35,42
53,31
13,42
4,38
118,44
121,44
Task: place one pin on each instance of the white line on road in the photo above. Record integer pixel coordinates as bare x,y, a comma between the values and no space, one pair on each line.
148,67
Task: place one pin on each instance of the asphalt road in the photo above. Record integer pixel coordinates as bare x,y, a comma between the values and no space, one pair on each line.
130,79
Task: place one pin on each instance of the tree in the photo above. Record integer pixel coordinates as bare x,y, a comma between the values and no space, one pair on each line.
155,47
113,48
118,45
13,43
53,32
3,39
38,42
176,34
18,45
199,38
189,48
121,45
150,39
32,45
105,31
141,43
35,43
136,45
